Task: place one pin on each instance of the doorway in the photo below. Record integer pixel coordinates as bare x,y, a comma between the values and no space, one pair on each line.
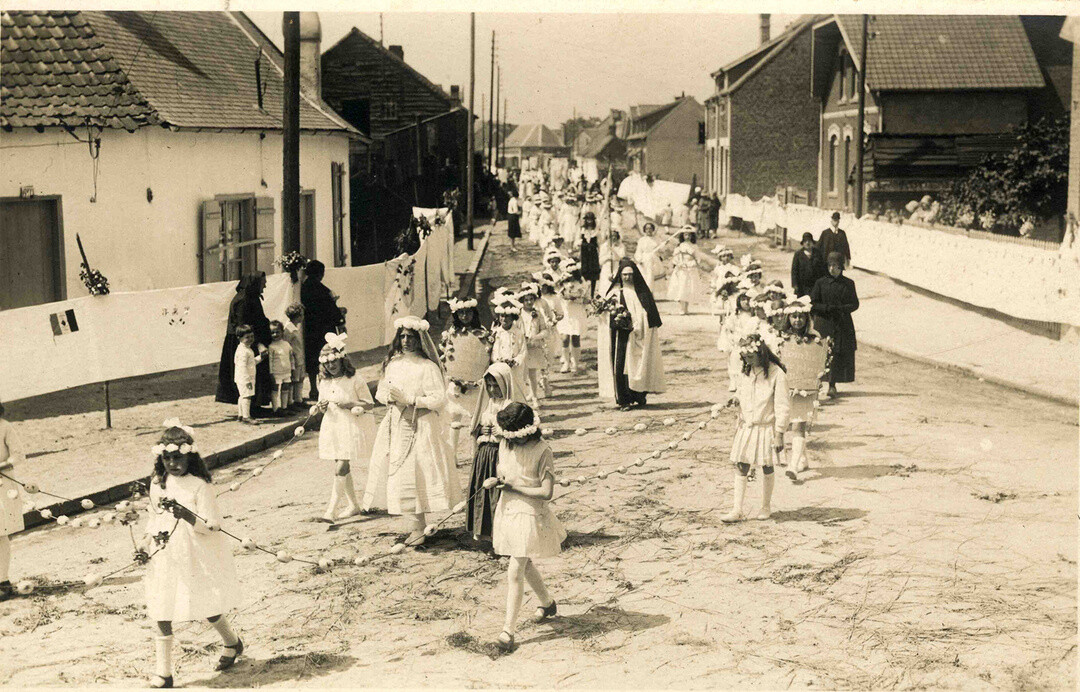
31,252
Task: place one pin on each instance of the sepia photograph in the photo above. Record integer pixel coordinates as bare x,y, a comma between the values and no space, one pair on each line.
562,345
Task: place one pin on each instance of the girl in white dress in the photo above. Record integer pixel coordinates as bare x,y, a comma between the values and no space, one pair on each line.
646,254
799,331
549,305
572,306
536,327
509,344
11,514
461,396
741,324
609,254
764,413
685,282
347,432
192,575
525,526
412,471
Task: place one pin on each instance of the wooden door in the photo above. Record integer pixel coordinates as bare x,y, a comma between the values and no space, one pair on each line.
31,253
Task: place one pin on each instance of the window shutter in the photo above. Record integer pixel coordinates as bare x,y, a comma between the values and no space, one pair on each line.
264,230
337,174
210,236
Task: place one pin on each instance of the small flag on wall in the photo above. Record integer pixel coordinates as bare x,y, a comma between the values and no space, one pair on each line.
63,322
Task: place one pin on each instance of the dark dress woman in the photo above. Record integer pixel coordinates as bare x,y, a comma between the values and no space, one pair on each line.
321,317
833,299
246,308
589,255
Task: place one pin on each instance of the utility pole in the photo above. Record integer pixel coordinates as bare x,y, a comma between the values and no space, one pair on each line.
290,189
491,102
470,136
862,120
502,154
483,125
380,30
498,115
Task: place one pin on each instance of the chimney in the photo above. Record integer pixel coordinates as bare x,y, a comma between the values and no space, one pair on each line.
398,51
455,94
764,29
311,54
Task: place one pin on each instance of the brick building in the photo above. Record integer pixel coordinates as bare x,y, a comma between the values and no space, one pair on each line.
762,121
943,91
419,138
667,141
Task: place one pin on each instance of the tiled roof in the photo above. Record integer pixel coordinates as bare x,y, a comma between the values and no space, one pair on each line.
131,69
931,52
597,146
54,70
533,136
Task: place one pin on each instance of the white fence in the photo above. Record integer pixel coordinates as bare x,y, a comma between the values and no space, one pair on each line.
1029,282
121,335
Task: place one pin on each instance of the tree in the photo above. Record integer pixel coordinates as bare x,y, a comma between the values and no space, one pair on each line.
574,126
1030,182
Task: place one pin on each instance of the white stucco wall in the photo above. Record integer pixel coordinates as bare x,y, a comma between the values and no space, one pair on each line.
141,245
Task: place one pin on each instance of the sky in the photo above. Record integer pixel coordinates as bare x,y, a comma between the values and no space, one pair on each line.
552,64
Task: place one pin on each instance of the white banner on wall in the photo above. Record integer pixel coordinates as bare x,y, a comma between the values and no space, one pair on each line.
650,199
1023,281
56,346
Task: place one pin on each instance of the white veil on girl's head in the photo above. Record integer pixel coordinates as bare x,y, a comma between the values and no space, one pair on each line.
511,386
427,346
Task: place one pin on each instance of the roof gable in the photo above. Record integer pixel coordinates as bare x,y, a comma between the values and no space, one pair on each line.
131,69
944,52
357,40
774,48
536,135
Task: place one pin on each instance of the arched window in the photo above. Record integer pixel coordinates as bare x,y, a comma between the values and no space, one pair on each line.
832,163
853,82
848,163
843,76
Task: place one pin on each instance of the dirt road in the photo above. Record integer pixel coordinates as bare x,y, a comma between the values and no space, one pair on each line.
933,544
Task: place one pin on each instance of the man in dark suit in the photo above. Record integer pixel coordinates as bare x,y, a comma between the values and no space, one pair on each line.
833,239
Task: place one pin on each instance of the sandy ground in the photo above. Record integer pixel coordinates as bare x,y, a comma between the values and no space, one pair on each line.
933,544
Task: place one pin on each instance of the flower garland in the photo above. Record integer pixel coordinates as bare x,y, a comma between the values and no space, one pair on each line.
291,262
95,281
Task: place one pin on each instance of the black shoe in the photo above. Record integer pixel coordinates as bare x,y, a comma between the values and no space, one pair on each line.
547,611
226,662
6,590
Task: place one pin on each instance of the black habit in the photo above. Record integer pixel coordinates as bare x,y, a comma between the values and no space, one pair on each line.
246,308
833,299
321,316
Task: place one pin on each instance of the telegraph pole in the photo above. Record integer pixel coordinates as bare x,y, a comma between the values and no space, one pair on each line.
861,121
470,137
290,189
502,141
491,102
498,115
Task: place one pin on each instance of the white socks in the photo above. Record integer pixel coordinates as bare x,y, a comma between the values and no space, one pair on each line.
228,637
350,492
163,648
740,492
335,497
798,454
768,480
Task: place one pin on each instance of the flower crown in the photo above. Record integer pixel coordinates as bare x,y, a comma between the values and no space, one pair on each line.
519,434
456,305
799,305
334,348
184,448
529,289
770,311
750,345
411,322
508,306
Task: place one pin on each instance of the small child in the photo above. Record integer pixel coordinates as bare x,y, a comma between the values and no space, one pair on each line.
549,305
508,337
525,526
192,576
740,325
802,403
347,433
574,318
685,281
11,515
282,367
294,334
244,363
461,396
536,327
764,407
